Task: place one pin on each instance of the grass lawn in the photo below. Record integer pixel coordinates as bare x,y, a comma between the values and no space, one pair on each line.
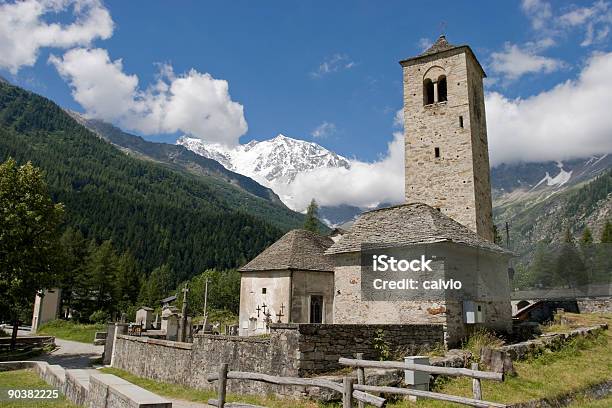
28,379
581,363
195,395
66,330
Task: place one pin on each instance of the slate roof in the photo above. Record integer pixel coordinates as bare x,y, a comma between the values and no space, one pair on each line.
442,46
408,224
298,250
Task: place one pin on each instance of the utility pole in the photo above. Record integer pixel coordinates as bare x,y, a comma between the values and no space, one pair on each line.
507,236
183,332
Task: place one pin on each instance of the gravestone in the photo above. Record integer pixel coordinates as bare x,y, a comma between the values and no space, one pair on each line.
144,317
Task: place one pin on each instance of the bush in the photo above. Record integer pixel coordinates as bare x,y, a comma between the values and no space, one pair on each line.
480,338
99,317
381,345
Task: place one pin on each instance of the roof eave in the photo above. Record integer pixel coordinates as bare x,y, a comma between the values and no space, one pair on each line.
451,51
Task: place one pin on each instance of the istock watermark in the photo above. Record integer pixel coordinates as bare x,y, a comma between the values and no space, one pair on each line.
411,273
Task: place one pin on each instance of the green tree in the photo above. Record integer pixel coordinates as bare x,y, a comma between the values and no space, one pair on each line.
587,237
223,291
312,221
74,249
542,269
158,285
606,233
29,250
567,236
102,270
128,281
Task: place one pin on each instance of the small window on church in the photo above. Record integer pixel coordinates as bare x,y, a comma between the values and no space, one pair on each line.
442,88
437,152
460,121
263,291
428,92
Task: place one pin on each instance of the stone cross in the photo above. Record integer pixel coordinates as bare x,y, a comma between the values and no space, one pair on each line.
183,331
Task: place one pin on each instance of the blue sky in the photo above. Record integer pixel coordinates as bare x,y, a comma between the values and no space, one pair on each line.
296,67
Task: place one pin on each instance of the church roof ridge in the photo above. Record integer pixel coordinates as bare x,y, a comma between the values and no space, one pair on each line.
298,249
408,224
443,46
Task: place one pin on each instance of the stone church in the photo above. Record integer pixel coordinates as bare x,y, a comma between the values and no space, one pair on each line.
447,219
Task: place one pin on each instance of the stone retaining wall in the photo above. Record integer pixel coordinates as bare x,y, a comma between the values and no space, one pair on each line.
320,346
292,350
550,341
595,305
90,388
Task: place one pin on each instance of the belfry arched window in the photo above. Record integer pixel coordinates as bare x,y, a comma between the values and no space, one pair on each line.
428,92
442,88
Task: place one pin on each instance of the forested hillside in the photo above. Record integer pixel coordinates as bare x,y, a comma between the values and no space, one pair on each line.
160,215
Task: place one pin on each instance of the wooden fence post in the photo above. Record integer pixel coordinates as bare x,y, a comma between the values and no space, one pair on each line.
347,394
360,377
222,384
476,384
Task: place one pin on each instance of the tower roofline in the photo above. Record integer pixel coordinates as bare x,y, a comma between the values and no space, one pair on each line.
447,52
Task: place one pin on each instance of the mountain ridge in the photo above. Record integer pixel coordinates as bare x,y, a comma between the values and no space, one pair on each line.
158,213
271,161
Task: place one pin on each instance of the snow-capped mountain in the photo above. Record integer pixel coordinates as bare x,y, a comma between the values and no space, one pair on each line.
270,162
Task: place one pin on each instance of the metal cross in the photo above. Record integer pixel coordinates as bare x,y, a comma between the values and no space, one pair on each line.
280,314
258,310
443,26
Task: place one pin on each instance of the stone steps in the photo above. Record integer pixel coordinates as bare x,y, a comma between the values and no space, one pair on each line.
91,388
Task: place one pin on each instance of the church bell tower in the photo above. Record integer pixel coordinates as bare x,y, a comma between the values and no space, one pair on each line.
447,156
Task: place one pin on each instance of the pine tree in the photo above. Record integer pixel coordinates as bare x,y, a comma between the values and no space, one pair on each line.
567,238
606,233
102,273
587,237
312,221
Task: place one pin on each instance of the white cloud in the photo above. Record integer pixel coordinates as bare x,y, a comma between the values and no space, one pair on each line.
514,61
23,30
571,120
594,20
568,121
398,119
424,43
539,12
323,130
364,184
337,62
194,103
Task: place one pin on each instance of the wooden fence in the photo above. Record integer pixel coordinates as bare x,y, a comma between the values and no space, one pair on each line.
474,373
360,391
346,388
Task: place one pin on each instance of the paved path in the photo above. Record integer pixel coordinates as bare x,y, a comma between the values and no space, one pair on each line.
187,404
69,354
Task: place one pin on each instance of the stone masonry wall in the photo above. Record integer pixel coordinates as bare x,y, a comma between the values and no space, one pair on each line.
290,350
457,182
319,346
